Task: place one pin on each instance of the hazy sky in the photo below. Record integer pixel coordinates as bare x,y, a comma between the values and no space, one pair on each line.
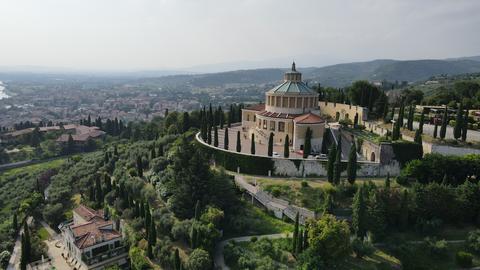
160,34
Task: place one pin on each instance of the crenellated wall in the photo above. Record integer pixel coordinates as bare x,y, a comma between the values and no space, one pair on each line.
344,111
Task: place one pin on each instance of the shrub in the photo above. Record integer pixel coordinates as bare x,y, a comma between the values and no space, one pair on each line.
464,259
304,184
436,248
473,241
199,260
362,247
253,239
429,227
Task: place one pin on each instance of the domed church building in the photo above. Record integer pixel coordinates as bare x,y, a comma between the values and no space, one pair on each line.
289,108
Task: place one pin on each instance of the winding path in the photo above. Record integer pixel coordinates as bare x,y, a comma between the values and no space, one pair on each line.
219,260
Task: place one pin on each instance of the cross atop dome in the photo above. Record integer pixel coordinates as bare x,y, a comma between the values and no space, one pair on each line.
293,75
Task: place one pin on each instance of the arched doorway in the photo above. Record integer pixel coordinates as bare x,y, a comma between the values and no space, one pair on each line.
372,156
337,116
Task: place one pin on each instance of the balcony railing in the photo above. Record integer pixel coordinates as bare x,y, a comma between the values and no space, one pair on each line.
104,255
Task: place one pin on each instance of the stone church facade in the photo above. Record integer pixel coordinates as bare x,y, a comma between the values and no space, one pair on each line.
289,109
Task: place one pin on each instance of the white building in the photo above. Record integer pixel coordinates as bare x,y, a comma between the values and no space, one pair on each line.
91,242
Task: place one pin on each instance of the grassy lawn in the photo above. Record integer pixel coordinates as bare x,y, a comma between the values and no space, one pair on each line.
35,167
43,234
310,196
447,233
380,259
281,254
256,221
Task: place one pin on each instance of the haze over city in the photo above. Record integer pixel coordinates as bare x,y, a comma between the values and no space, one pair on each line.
216,35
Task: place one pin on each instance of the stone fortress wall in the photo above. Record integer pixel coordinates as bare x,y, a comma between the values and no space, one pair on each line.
343,111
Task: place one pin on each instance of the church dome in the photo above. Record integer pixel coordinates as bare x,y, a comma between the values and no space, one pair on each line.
292,84
292,96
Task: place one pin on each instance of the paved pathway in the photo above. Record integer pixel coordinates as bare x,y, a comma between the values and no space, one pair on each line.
278,206
219,260
14,261
53,234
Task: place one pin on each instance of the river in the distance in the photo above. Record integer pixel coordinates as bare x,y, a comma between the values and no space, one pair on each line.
2,91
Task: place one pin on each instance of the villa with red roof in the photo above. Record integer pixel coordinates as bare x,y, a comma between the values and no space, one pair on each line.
92,242
289,109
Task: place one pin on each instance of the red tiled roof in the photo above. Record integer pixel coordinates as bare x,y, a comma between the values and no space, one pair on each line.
278,115
256,107
92,233
88,213
309,118
95,230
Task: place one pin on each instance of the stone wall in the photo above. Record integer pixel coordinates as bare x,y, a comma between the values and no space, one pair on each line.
344,111
317,168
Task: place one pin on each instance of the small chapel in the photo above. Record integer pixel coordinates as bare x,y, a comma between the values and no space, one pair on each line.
290,108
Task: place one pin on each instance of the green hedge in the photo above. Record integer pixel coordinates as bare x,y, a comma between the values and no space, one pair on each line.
436,167
406,151
248,164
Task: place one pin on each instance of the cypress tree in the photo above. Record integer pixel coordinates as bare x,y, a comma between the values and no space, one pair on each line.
307,147
28,243
401,114
239,145
193,236
385,110
98,191
422,121
150,251
197,210
215,136
152,236
153,154
221,117
108,183
465,126
15,223
403,218
160,150
457,130
295,233
331,160
352,164
148,218
328,204
410,118
443,128
23,256
435,130
387,181
209,134
176,260
225,139
252,145
270,144
337,166
305,239
359,215
139,166
185,122
355,121
286,147
142,209
298,249
418,137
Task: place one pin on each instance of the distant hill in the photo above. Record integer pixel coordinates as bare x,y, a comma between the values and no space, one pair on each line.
339,75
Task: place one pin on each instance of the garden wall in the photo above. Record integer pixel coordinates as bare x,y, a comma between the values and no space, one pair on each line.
263,165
